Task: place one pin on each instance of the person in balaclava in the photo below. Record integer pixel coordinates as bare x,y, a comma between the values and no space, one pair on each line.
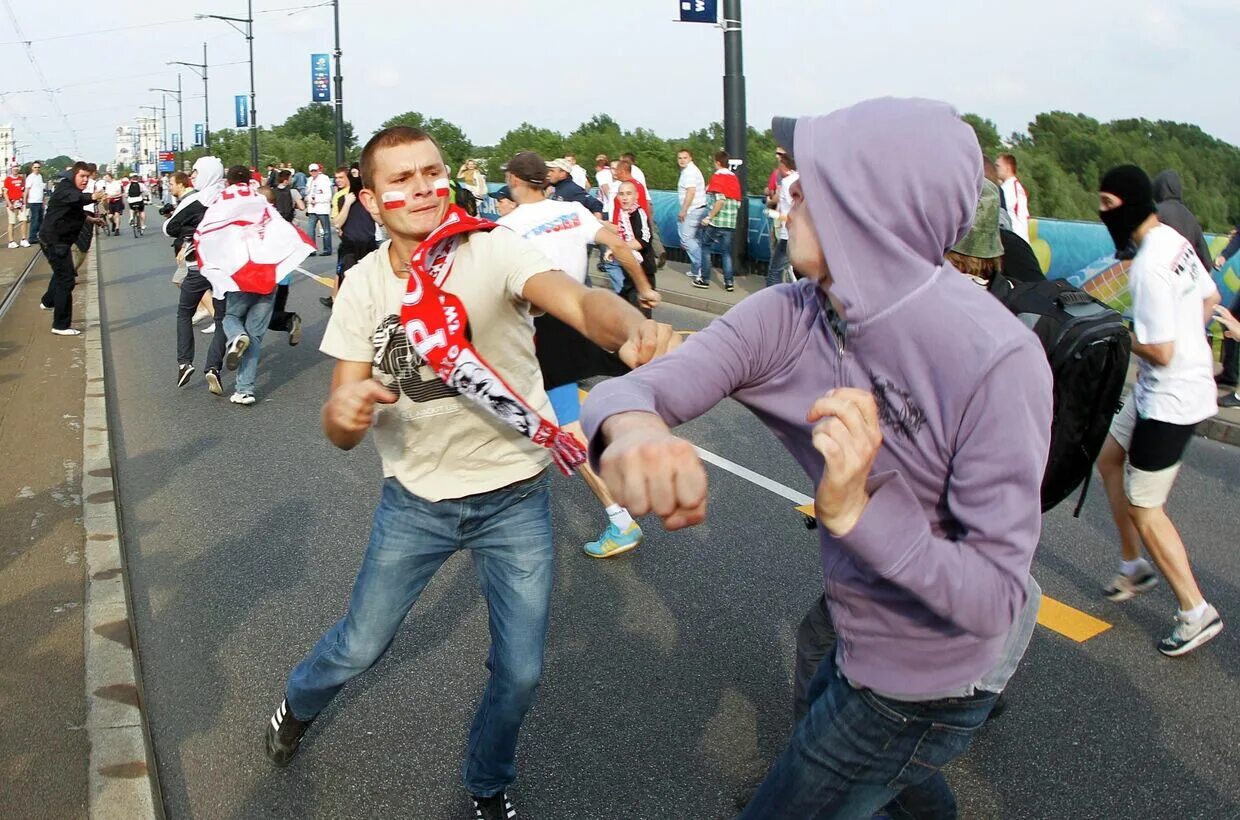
882,372
1169,194
1172,299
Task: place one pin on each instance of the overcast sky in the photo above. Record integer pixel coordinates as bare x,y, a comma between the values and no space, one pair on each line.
489,65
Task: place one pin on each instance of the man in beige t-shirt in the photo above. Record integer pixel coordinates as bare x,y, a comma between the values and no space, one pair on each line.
457,477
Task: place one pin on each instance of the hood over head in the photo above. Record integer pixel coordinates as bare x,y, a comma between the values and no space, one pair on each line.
1168,185
890,184
209,181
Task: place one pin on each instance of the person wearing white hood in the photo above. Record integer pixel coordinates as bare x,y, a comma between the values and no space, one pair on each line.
192,194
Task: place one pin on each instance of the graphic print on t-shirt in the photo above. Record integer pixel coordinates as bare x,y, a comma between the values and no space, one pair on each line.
402,366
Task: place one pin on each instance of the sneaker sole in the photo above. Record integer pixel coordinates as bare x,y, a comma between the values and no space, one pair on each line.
232,359
294,335
1201,637
615,552
1124,594
213,384
185,377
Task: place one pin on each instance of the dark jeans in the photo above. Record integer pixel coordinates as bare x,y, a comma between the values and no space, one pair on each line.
856,752
1231,352
281,319
325,221
718,240
192,290
779,262
507,533
59,293
35,210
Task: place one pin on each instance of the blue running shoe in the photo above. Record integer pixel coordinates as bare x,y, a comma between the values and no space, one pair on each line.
614,542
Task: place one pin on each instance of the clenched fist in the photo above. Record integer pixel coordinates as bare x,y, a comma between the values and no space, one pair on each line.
350,410
650,340
648,470
847,434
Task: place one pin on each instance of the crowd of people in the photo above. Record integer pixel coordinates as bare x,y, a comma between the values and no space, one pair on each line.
879,356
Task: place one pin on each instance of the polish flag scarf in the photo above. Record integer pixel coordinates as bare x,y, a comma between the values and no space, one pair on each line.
435,322
725,183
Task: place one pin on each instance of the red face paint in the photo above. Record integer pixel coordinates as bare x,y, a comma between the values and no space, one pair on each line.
442,188
393,200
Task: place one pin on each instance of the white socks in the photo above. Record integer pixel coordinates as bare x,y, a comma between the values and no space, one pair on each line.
1193,614
620,517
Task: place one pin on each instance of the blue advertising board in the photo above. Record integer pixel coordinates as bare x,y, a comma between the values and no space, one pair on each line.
320,78
243,113
699,11
199,134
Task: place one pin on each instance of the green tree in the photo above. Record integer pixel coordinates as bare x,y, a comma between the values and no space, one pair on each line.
317,120
455,146
987,134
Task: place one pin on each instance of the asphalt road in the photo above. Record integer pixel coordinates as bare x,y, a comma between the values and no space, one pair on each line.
668,676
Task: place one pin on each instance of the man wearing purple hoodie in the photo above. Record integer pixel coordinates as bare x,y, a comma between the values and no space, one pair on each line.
884,373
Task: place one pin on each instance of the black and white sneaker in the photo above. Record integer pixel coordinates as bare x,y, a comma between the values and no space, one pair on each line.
1188,635
700,283
496,807
213,382
284,734
1123,587
236,349
294,331
183,373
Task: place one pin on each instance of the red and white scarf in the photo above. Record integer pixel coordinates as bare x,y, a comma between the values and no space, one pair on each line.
435,322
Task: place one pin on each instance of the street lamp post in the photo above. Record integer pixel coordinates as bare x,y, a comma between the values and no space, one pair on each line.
248,31
180,114
201,68
339,91
734,123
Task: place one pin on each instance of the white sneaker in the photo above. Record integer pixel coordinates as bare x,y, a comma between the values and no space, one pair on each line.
242,398
1188,635
69,331
24,244
12,244
199,315
209,328
43,306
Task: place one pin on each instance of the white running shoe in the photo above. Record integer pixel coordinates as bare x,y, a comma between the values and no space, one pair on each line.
199,315
209,328
68,331
24,243
12,244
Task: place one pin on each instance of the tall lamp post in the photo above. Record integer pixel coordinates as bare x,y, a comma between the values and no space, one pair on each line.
248,32
201,68
180,112
339,91
736,136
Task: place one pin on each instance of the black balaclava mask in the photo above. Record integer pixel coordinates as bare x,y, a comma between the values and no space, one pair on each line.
1136,194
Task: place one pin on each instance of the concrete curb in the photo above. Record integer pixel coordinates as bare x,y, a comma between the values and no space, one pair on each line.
122,774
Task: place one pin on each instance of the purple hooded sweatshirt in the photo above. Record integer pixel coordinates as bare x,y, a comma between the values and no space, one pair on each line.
923,590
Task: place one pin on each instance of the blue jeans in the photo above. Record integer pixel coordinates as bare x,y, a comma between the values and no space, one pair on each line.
35,215
615,274
247,313
508,535
719,240
779,262
856,752
326,221
690,241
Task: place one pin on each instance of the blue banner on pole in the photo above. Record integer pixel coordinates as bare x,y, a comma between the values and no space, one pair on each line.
199,134
176,141
320,78
243,112
699,11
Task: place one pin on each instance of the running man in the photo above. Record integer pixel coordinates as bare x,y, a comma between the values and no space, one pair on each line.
114,203
1173,298
564,232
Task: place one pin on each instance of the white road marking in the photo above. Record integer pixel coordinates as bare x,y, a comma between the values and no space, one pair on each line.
754,478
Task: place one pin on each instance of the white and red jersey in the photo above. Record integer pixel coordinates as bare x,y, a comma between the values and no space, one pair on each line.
15,190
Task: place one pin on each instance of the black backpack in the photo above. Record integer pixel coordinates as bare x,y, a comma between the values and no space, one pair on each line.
284,202
1087,345
135,190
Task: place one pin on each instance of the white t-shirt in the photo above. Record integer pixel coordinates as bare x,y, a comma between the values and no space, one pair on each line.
607,197
578,175
1168,286
434,442
561,230
319,194
112,189
691,177
784,207
1016,202
34,189
640,176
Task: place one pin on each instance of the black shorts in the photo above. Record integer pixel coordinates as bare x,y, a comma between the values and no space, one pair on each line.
1157,445
137,207
116,206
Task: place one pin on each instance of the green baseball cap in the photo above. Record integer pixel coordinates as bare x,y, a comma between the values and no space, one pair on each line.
982,240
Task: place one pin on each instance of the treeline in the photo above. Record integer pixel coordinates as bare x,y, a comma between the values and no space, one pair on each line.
1060,158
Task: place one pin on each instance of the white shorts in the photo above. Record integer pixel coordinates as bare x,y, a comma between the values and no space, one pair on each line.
16,215
1159,455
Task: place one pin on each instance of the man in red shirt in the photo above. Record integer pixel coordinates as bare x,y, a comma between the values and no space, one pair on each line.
15,205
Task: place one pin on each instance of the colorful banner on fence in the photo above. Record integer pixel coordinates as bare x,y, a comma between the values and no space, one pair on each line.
320,78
